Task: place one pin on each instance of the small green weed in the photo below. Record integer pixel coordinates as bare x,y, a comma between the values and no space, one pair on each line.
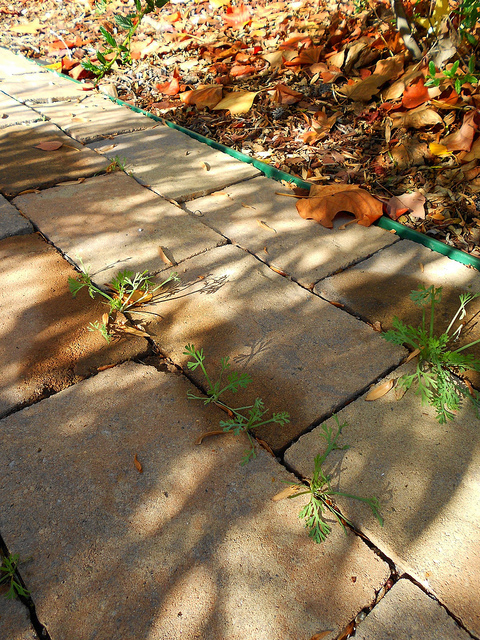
8,569
127,290
437,362
116,164
112,49
457,79
320,491
469,12
241,419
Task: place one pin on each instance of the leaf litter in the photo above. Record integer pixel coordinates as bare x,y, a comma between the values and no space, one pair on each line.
324,91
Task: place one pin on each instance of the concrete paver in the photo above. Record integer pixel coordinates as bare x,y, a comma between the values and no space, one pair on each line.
22,166
174,165
12,223
379,288
14,620
38,87
252,215
12,64
193,547
426,476
305,356
45,344
91,117
406,613
13,112
116,224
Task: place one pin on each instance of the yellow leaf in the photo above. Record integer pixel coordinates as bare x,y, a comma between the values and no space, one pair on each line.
288,491
29,27
55,66
380,390
237,102
439,149
439,12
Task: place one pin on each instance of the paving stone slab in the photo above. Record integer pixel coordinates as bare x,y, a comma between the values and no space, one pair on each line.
193,547
252,215
38,88
12,223
13,112
305,356
113,223
427,478
12,64
45,344
407,613
379,288
22,166
93,116
14,620
175,165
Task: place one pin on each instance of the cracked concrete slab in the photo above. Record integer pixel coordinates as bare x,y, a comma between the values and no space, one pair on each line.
12,223
406,612
426,476
14,620
45,344
23,166
36,88
174,165
379,289
92,117
253,215
192,547
13,112
113,223
305,356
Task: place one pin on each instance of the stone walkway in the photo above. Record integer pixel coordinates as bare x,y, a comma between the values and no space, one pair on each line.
194,547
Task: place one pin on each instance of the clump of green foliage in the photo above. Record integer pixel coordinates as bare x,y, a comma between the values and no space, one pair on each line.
452,74
241,419
469,12
437,362
321,494
114,49
127,290
8,569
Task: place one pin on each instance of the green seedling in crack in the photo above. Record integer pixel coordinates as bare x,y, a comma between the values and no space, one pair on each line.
126,290
8,574
437,363
240,419
319,489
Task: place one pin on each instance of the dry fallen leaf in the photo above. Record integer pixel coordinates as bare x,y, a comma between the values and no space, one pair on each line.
29,27
365,89
407,202
201,438
322,634
237,102
287,492
413,355
137,464
52,145
417,118
325,202
208,96
380,390
165,258
462,139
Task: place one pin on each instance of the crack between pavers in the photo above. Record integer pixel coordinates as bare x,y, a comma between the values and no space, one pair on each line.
27,602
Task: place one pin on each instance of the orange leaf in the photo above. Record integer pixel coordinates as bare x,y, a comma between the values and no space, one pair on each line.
53,145
306,56
324,203
237,17
137,464
415,94
239,70
170,88
379,391
462,139
284,95
208,96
